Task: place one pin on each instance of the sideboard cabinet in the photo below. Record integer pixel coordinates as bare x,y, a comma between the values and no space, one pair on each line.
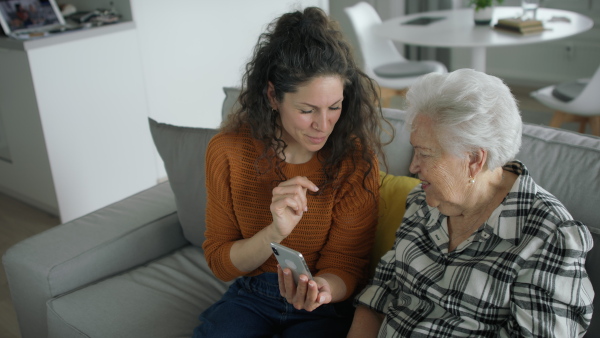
74,120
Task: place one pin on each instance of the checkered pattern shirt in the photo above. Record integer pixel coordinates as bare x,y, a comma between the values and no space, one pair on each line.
521,274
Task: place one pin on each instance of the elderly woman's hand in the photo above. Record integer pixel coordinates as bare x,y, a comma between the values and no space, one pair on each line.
289,204
308,294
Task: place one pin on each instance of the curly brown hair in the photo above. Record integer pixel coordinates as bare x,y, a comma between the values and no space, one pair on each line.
296,48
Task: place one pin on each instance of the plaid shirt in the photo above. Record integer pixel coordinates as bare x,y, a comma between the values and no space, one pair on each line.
521,274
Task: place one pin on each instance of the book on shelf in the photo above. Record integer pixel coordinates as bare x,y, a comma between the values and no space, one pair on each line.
520,30
518,22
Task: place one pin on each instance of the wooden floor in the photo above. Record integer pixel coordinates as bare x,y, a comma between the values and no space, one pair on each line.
19,221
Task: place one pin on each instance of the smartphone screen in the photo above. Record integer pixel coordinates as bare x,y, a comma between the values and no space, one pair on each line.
292,259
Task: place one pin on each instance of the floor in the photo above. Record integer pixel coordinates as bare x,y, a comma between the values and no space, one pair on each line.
19,221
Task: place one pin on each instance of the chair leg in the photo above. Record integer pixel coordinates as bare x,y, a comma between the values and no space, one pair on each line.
582,126
561,117
388,93
595,124
386,98
558,119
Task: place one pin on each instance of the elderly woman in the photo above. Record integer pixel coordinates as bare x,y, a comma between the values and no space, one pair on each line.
482,251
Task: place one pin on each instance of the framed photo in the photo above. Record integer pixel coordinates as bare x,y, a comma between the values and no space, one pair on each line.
28,15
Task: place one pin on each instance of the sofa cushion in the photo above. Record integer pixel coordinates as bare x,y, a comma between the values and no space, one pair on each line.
392,204
399,152
183,149
125,234
567,165
161,299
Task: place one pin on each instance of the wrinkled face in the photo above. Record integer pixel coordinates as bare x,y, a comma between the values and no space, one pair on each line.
444,176
309,115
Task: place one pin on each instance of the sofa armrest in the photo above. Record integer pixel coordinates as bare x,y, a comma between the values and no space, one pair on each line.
108,241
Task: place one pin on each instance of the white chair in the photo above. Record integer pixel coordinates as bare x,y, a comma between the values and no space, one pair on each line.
382,61
577,101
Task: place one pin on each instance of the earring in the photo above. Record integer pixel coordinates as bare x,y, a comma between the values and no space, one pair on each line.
275,111
471,179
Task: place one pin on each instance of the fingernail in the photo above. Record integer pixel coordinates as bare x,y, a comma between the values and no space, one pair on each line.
303,279
305,208
321,299
316,188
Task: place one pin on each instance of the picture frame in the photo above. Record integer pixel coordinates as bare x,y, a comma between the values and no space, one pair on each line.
18,16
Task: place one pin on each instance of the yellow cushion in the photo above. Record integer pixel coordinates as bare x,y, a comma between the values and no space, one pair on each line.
392,204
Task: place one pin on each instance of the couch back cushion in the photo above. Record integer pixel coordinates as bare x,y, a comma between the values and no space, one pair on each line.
399,152
182,150
566,164
392,204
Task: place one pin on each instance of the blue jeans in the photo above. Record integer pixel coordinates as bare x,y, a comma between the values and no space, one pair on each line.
253,307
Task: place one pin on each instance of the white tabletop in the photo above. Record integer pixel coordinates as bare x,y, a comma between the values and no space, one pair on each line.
457,29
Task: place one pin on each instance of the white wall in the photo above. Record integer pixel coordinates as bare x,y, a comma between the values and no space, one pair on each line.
191,49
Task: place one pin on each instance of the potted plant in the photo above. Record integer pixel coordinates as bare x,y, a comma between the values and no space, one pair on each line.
484,10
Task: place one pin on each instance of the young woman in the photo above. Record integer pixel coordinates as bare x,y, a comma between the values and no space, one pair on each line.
295,165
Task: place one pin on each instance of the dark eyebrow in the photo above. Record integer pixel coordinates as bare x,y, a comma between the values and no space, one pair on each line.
312,106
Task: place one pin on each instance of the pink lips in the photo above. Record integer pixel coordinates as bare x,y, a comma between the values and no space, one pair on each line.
424,185
317,140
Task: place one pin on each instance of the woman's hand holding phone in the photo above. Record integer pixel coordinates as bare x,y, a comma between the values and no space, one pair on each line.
296,283
308,294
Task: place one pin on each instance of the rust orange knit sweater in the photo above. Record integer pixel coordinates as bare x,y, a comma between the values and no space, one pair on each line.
335,235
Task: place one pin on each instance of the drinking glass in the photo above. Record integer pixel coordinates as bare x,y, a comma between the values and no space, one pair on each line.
530,9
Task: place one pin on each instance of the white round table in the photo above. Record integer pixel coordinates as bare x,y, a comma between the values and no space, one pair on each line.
457,29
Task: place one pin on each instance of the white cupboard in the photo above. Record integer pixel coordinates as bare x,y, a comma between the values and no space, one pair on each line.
74,117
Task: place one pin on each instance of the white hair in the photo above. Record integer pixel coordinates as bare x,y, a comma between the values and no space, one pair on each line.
470,110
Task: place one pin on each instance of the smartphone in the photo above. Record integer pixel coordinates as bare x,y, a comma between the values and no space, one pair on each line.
292,259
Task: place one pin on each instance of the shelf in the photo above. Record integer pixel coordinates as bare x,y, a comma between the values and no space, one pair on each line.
54,39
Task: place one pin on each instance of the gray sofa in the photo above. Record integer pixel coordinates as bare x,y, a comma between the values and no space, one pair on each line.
136,268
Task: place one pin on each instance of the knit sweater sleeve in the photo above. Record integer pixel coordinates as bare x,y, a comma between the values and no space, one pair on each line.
222,229
351,238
